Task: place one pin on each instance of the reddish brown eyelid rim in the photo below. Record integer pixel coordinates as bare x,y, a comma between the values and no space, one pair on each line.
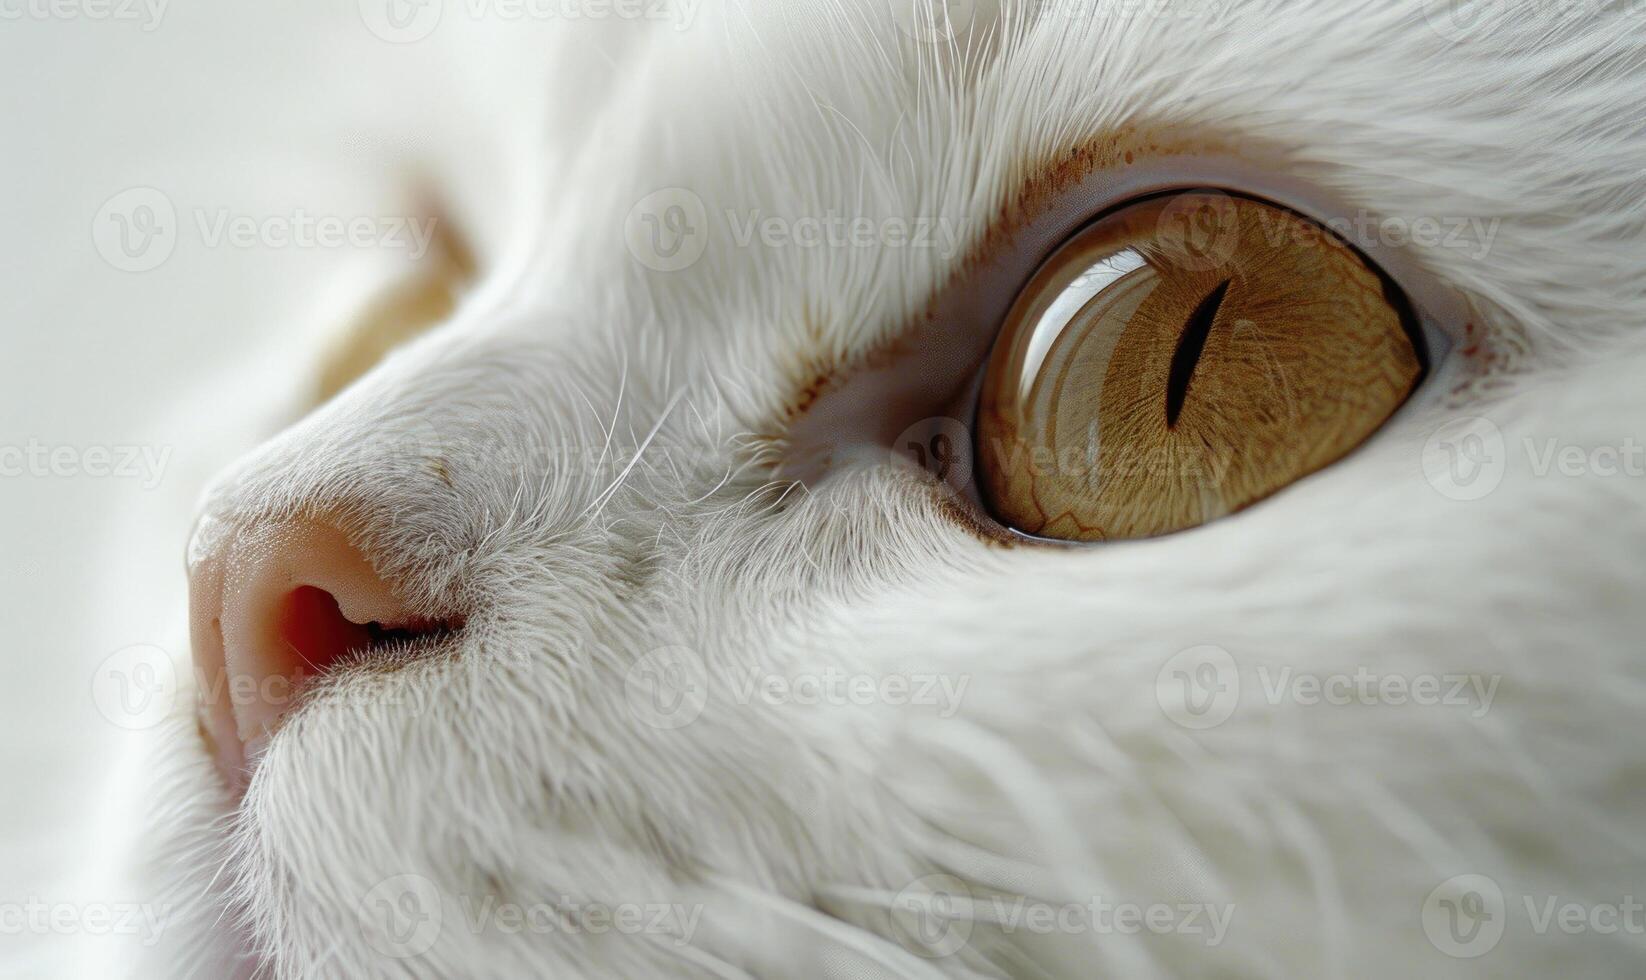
1137,144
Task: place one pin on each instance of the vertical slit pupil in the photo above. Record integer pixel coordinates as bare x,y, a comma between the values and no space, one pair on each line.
1190,344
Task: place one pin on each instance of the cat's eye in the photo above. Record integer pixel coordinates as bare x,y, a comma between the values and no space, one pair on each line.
1181,358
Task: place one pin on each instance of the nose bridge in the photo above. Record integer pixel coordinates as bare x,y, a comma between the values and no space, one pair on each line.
561,425
389,457
420,454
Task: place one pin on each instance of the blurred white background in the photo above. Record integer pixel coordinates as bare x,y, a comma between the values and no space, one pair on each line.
185,351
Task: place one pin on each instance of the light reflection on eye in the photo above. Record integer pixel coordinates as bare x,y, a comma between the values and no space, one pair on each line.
1065,304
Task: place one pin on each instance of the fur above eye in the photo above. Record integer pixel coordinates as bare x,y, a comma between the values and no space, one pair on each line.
1180,358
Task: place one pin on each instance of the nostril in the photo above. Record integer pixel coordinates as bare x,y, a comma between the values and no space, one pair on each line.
272,607
316,630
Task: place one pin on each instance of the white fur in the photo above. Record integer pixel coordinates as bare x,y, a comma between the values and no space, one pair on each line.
511,765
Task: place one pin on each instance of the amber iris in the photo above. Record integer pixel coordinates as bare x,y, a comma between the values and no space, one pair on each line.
1184,357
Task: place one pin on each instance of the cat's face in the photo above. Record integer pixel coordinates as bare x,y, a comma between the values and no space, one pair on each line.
730,685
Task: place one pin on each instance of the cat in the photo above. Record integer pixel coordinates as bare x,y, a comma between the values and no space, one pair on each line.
712,675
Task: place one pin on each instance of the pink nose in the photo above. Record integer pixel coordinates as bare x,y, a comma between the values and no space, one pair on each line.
271,607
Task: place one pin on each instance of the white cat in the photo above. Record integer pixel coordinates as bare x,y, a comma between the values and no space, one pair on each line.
689,670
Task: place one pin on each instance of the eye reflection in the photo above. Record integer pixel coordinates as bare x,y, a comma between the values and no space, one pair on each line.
1068,302
1182,358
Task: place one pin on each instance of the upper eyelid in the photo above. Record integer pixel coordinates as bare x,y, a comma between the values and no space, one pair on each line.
1054,203
1444,316
1128,171
1067,190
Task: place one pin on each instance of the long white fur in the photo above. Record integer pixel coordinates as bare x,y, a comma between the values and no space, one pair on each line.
510,765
